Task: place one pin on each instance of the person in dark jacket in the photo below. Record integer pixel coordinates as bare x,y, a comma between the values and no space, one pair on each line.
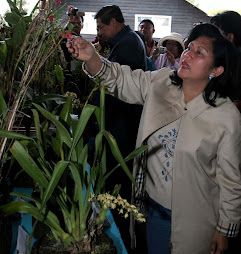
122,119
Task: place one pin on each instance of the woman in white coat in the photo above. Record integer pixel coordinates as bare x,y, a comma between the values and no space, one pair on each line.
190,177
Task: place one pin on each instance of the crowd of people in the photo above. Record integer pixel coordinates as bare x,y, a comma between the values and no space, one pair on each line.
181,98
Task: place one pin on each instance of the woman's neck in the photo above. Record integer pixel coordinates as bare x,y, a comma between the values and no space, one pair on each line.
191,90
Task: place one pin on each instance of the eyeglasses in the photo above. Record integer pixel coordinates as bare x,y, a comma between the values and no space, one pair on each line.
172,44
75,23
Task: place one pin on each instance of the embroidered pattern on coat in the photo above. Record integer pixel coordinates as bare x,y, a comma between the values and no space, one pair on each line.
168,141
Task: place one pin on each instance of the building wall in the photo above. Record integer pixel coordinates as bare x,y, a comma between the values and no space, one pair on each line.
183,13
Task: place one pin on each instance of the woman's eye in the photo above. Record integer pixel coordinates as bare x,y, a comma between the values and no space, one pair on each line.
199,52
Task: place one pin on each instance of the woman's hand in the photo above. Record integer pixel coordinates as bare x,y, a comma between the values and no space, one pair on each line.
84,51
155,54
219,244
170,57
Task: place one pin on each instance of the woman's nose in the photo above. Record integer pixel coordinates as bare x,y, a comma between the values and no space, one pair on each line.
188,53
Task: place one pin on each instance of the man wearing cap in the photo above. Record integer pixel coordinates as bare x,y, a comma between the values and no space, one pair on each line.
72,27
170,58
73,74
76,19
146,27
122,119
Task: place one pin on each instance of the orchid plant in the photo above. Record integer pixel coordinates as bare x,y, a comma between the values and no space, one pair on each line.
56,159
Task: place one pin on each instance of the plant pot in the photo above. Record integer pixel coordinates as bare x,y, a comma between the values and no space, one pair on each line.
101,244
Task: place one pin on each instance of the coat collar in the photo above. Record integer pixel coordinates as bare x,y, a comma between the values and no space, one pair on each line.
196,106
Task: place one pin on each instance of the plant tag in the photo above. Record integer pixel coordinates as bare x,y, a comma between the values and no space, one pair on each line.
96,210
22,241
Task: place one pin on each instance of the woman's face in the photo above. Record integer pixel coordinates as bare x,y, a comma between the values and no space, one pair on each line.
196,62
172,46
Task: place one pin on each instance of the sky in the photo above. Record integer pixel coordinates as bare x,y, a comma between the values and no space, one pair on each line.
205,5
209,5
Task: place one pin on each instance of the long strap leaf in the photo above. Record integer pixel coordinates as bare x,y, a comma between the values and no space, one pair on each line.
63,132
28,164
57,173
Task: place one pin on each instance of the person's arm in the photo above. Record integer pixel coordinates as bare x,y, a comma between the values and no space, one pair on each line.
123,83
85,51
229,180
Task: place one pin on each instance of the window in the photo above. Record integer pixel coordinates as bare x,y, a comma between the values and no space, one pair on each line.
162,23
89,23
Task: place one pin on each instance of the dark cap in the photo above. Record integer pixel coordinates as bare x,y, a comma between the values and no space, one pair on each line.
146,20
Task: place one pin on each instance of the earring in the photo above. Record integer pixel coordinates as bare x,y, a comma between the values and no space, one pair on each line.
210,76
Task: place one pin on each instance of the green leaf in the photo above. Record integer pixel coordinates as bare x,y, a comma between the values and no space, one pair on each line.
24,195
38,132
35,7
57,173
24,207
56,146
12,135
28,164
132,155
78,185
115,151
27,19
13,7
102,108
3,54
12,18
49,97
83,120
63,133
3,105
67,109
19,32
59,73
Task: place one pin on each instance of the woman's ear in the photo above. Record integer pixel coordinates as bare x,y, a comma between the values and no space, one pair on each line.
217,71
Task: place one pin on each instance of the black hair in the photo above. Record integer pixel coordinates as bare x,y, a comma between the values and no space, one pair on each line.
108,12
148,21
229,22
224,55
180,48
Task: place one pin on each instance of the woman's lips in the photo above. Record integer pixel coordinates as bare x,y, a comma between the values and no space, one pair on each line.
185,65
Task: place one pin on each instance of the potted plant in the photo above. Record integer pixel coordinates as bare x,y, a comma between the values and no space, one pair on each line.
56,158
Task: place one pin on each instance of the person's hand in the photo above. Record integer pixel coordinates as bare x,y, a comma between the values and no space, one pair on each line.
80,48
85,51
219,244
170,57
155,54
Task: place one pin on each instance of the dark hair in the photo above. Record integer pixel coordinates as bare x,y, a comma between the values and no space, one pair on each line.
229,22
180,48
148,21
224,55
108,12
